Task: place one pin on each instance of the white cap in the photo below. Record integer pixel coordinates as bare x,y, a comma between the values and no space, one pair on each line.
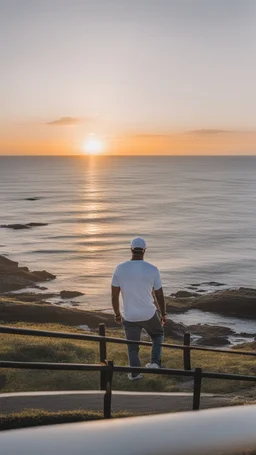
138,242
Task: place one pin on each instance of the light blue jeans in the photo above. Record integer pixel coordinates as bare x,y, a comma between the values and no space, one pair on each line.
133,332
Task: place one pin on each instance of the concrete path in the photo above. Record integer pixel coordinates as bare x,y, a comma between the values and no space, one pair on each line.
137,402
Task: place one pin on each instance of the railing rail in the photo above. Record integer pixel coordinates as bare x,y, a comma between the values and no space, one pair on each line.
107,368
96,338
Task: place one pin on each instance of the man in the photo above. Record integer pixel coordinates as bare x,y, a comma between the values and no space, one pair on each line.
138,280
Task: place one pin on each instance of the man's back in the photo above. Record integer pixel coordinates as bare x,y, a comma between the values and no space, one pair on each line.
137,278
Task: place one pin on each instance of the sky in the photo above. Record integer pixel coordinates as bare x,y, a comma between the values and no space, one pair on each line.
142,76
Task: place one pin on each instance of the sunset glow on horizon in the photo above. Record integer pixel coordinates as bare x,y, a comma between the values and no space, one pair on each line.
93,145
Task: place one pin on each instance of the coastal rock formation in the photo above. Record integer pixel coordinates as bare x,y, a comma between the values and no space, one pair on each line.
43,275
70,294
5,262
19,311
213,341
184,294
23,226
206,330
232,302
174,329
14,311
42,288
240,303
247,335
229,302
32,297
13,277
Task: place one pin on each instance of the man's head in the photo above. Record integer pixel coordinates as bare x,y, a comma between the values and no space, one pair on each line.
138,247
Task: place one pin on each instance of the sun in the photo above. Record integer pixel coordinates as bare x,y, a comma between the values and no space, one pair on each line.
93,145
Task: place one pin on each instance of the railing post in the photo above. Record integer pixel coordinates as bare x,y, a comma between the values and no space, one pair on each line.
108,394
186,352
103,355
197,388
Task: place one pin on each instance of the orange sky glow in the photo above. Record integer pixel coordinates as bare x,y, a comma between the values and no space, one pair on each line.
69,141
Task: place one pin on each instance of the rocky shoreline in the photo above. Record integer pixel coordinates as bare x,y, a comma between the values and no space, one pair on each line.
30,306
239,302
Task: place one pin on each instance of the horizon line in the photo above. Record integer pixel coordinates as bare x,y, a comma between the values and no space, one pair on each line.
129,155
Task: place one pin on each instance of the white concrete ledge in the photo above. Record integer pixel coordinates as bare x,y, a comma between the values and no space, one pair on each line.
198,433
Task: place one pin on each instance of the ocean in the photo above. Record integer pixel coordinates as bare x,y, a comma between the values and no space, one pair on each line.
197,215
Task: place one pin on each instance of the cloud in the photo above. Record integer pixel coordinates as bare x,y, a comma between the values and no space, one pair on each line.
209,131
64,121
198,132
150,135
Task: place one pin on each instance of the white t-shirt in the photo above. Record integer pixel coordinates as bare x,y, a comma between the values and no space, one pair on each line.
136,280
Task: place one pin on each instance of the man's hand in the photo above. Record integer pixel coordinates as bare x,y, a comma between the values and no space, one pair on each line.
118,318
164,319
115,304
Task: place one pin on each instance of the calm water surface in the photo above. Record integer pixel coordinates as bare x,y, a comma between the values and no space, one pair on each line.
197,215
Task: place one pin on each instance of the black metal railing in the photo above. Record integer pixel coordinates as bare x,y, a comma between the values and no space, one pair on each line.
107,368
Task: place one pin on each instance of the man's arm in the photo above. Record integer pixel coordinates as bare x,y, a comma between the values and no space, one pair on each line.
155,301
115,303
161,302
159,294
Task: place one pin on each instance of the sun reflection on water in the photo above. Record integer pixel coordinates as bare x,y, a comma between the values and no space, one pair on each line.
94,224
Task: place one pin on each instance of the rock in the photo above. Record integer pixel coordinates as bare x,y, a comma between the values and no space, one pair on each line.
32,297
15,226
5,262
43,275
213,341
37,224
16,311
174,329
13,277
22,226
196,285
213,283
6,287
246,335
176,305
240,303
207,330
70,294
245,291
184,294
32,198
42,288
231,302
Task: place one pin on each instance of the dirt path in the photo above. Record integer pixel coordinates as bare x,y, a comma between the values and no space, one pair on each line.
136,402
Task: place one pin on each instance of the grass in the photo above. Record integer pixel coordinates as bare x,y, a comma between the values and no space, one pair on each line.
36,417
24,348
224,363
